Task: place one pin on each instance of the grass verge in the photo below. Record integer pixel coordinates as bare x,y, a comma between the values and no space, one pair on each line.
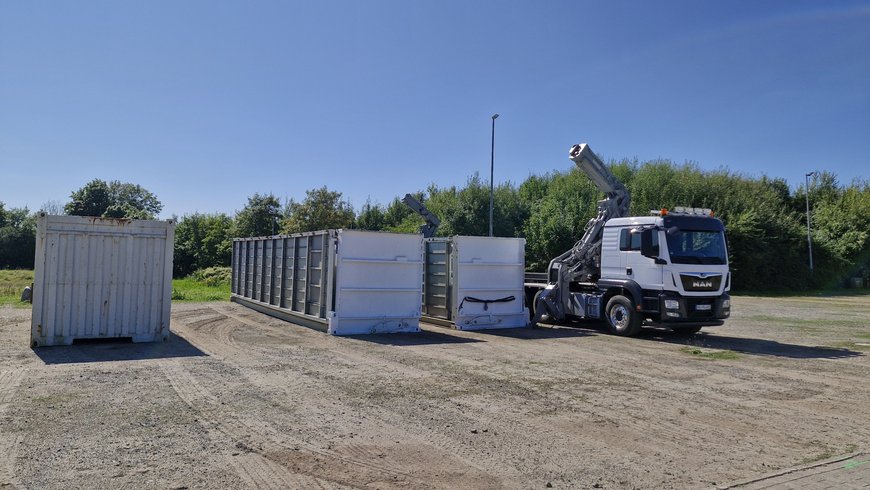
12,283
193,290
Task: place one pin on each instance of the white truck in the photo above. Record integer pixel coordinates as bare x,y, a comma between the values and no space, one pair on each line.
669,269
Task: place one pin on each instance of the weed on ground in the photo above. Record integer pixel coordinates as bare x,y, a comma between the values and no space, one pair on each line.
721,355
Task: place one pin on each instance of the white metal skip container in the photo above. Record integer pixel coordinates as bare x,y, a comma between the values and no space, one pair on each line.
475,283
101,278
346,282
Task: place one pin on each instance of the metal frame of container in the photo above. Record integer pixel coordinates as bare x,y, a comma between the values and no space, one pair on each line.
101,278
344,282
475,283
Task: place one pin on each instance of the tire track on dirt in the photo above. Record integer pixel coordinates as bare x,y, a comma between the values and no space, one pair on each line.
348,352
9,381
418,429
252,467
740,392
249,433
224,344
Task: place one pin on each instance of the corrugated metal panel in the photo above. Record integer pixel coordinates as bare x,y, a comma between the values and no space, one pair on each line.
346,282
480,286
436,287
101,278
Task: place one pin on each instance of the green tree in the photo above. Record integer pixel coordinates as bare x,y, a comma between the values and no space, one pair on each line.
259,217
202,240
557,220
320,210
371,217
840,228
114,199
17,238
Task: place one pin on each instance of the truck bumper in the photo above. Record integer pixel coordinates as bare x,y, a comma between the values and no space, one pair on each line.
690,311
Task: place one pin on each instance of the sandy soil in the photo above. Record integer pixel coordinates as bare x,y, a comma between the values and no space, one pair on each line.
240,400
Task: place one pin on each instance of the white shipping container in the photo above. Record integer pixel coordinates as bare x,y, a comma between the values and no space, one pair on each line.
346,282
475,283
101,278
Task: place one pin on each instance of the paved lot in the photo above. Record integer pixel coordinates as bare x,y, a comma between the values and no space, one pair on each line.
843,472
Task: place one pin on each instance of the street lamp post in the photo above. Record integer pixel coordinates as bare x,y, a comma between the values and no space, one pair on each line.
491,168
809,236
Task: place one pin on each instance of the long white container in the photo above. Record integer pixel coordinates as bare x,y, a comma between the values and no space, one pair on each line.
101,278
346,282
475,283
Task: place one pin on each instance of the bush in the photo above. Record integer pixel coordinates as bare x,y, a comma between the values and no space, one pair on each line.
214,276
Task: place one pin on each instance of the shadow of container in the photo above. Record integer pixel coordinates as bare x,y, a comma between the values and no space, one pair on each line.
118,349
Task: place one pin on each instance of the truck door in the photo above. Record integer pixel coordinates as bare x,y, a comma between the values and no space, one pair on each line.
642,270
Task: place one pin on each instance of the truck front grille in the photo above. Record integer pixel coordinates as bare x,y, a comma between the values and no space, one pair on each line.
701,282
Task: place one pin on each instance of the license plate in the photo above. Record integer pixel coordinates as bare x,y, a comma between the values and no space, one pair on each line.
703,307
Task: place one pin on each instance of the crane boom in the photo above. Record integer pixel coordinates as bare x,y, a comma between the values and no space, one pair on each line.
432,221
583,261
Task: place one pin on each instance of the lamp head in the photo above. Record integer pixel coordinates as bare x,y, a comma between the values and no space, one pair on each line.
494,117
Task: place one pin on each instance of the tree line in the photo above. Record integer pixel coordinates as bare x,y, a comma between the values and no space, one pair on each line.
765,220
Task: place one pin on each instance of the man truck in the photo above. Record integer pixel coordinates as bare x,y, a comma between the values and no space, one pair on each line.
669,269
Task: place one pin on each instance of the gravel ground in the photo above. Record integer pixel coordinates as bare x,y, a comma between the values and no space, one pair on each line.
237,399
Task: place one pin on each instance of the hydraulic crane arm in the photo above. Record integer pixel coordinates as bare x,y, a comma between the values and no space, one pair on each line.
618,197
583,261
432,221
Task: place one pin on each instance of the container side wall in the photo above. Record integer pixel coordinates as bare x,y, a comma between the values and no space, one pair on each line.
101,278
378,283
284,276
488,277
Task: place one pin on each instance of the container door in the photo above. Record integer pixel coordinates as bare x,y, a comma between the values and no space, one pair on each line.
436,294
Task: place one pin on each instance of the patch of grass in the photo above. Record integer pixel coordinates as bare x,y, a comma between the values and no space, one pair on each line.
214,276
827,452
784,320
808,325
12,283
826,293
720,355
56,398
193,290
856,346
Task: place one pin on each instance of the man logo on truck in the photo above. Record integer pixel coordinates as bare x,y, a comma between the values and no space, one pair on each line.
702,284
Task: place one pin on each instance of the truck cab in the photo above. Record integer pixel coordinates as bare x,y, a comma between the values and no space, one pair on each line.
673,266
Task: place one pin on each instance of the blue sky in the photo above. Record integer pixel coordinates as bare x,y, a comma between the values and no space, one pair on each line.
205,103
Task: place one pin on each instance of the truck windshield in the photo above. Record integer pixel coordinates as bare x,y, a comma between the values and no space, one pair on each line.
697,247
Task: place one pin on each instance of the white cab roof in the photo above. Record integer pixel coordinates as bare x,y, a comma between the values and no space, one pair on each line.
634,221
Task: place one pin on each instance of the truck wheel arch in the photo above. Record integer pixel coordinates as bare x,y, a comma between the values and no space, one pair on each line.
624,287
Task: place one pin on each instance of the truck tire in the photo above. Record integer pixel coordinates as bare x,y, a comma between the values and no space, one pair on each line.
621,317
534,309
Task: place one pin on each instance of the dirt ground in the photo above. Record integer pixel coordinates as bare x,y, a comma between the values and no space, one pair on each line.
237,399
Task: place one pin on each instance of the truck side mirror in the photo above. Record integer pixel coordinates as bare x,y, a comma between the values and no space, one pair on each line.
649,246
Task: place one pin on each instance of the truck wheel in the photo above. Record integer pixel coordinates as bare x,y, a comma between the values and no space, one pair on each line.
621,317
545,318
686,330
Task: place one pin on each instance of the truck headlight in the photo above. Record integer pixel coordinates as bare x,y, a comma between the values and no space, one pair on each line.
672,304
726,303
